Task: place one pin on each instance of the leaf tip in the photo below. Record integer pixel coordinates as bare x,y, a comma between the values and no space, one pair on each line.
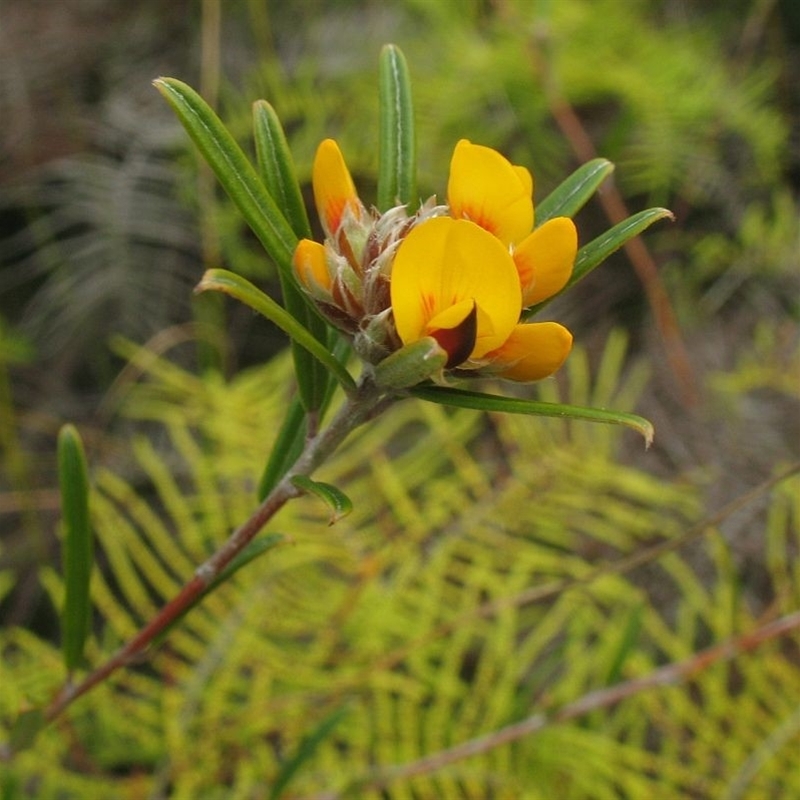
648,432
337,501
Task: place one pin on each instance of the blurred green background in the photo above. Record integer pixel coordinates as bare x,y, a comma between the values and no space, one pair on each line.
107,220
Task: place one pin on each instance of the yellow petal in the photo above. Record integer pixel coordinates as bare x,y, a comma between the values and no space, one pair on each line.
311,266
452,316
441,269
545,259
486,188
533,351
334,189
526,179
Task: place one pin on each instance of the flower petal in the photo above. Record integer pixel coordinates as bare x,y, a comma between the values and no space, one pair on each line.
545,259
446,264
311,265
533,351
486,188
334,190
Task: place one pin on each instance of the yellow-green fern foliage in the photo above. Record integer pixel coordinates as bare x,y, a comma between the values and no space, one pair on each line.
459,597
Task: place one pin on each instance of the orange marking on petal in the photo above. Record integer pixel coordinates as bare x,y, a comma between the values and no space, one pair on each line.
334,189
545,259
487,189
311,266
444,268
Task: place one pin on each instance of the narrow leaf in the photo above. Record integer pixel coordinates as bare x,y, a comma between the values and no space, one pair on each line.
233,170
339,503
305,751
397,168
627,643
462,398
222,280
570,196
276,168
25,729
286,450
252,551
292,435
78,546
598,250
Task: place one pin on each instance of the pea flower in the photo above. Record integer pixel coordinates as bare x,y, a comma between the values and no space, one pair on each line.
460,273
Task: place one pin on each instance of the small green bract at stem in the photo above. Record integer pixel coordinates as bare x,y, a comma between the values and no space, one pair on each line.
397,161
412,364
78,546
339,503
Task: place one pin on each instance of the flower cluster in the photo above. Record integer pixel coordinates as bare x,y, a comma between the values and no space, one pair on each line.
461,273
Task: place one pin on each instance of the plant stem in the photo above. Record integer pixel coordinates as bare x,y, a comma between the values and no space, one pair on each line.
365,403
668,675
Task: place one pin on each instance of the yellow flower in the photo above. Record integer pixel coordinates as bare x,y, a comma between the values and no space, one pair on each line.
459,273
487,189
453,281
465,279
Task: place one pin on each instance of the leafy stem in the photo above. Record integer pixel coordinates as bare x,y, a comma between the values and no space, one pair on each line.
365,403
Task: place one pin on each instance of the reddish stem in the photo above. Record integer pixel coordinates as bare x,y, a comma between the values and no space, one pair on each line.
366,402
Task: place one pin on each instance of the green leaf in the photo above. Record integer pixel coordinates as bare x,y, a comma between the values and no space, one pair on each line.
462,398
397,167
78,547
286,450
599,249
570,196
25,729
294,429
233,170
305,751
222,280
251,552
276,168
628,639
334,498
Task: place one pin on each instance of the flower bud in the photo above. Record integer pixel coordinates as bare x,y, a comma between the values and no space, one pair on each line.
412,364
